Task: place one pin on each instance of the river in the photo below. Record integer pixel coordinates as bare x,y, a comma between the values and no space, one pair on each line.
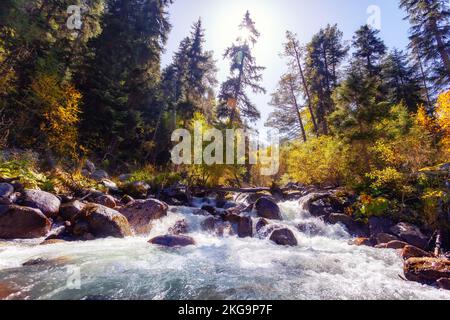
322,266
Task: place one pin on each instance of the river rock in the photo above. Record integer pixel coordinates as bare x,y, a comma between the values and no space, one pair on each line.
361,242
6,190
69,211
379,225
99,175
48,203
89,166
268,209
383,238
396,245
262,223
141,213
107,201
137,189
310,228
426,270
284,237
321,204
180,227
103,222
209,224
173,241
354,228
444,283
411,234
231,217
245,227
414,252
209,209
18,222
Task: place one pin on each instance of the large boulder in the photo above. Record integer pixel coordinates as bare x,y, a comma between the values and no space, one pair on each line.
46,202
18,222
173,241
354,228
284,237
426,270
444,283
102,222
245,227
6,190
69,211
107,201
411,234
141,213
379,225
414,252
383,238
321,204
266,208
137,189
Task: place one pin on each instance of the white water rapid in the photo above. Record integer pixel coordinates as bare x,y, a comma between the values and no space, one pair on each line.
322,266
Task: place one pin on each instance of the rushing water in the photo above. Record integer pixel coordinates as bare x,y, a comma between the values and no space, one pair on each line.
323,266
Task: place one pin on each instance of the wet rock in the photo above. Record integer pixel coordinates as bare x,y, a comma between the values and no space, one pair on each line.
137,189
426,270
379,225
99,175
57,233
18,222
69,211
180,227
209,224
102,222
173,241
141,214
209,209
414,252
125,177
231,217
224,229
310,229
262,223
354,228
254,197
80,228
284,237
48,203
268,209
321,204
245,227
110,185
383,238
361,242
444,283
6,190
411,234
107,201
175,196
7,290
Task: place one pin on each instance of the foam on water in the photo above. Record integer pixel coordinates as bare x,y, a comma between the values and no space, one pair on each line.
323,266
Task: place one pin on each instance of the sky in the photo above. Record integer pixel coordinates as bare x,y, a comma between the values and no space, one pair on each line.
221,19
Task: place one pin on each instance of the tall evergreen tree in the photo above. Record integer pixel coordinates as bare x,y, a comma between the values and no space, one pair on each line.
235,102
122,81
369,48
429,34
325,53
401,80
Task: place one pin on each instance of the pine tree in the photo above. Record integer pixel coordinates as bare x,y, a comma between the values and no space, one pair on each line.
429,34
121,85
401,81
287,116
325,53
369,48
235,102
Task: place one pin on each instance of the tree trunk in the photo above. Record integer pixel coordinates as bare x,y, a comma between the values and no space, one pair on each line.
441,46
297,110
